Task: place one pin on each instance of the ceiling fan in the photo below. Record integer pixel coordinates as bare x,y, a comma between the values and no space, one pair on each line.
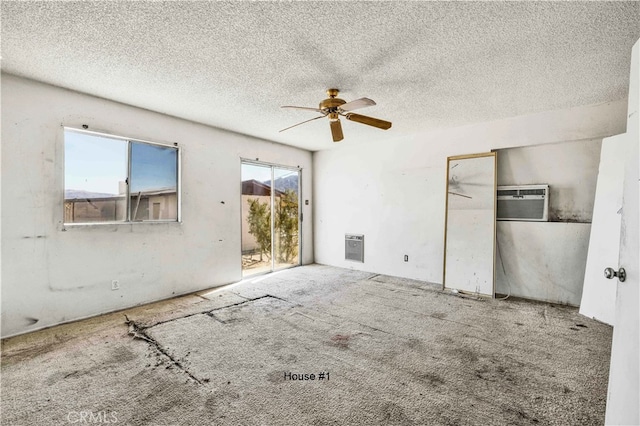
334,107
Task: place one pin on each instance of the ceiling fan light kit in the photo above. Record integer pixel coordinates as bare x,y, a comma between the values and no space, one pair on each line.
334,107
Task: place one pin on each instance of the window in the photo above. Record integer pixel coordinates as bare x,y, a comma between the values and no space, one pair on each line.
112,179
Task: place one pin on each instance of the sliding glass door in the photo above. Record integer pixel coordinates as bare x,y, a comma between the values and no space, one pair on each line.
286,238
270,218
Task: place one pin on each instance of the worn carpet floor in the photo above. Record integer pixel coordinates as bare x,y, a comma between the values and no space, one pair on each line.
314,345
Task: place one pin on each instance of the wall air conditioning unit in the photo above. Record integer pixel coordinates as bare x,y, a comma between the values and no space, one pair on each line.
354,247
523,202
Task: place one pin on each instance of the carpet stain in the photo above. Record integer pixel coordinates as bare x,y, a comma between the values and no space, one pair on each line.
431,378
444,340
323,421
391,413
415,344
122,354
466,355
156,404
10,357
522,415
418,372
341,340
275,376
288,358
219,402
64,375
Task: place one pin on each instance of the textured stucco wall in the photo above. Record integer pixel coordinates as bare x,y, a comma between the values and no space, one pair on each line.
52,274
393,192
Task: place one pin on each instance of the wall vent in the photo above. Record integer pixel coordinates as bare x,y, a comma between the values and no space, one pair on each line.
524,202
354,247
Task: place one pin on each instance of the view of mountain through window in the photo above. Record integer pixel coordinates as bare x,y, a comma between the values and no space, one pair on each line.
109,179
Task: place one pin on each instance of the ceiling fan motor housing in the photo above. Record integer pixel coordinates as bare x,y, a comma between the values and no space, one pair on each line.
334,107
331,104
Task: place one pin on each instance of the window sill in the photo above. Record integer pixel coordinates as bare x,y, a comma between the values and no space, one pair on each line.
103,225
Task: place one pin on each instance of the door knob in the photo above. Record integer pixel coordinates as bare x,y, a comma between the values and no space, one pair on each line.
611,273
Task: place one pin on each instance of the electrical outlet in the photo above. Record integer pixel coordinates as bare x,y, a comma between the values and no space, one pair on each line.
406,257
115,285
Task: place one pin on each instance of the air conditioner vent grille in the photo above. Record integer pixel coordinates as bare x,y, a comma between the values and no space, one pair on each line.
532,192
354,247
526,202
521,209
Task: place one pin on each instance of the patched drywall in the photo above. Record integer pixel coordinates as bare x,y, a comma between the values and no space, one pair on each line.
52,273
393,192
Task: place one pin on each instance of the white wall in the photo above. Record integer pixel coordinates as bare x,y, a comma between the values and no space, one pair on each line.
53,274
534,257
393,192
570,169
542,260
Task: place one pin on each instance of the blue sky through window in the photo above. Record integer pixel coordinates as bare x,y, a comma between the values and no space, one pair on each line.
93,163
259,173
98,165
153,167
263,173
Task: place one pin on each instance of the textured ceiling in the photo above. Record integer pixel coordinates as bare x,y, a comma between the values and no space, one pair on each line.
232,64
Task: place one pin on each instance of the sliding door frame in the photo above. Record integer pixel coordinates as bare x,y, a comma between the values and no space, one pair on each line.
273,166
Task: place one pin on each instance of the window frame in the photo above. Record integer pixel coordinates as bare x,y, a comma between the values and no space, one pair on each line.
129,141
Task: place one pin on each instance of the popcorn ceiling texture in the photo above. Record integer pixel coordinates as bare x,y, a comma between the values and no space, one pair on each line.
232,64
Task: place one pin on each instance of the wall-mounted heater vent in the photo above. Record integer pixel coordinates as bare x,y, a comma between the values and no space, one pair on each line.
525,202
354,247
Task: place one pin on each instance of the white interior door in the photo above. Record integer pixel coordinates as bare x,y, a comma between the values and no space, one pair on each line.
623,393
598,293
470,229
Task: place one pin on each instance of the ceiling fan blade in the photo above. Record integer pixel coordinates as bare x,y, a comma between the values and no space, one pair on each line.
306,121
358,103
375,122
336,130
298,107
